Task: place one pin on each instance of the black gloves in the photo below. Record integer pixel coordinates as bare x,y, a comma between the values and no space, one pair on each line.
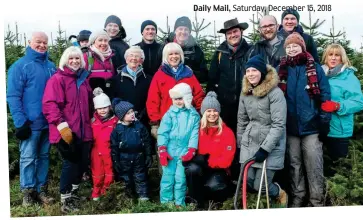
24,131
148,161
260,155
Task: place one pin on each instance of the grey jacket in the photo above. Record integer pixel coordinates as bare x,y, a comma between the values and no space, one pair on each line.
262,121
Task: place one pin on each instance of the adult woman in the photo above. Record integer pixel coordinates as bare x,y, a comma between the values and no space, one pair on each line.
131,84
346,99
66,106
98,60
171,72
305,86
261,125
208,172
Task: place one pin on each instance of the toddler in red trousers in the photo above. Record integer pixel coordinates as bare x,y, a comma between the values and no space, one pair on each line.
103,123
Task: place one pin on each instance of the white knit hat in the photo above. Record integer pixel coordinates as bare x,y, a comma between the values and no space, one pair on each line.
182,90
100,100
96,34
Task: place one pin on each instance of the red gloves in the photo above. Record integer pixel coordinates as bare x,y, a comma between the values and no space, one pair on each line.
189,155
330,106
164,156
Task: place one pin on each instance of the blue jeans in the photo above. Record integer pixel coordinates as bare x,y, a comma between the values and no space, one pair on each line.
34,160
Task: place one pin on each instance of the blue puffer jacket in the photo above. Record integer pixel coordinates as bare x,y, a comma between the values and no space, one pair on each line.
27,78
345,89
178,130
304,114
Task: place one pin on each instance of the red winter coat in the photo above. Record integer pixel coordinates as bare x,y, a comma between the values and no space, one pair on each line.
221,148
68,99
102,134
159,101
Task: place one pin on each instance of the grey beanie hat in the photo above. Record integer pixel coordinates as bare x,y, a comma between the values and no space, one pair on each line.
210,101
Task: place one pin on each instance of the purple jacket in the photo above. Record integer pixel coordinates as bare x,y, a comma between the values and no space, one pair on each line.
68,98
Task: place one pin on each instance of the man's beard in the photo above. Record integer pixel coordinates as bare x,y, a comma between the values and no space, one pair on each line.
269,38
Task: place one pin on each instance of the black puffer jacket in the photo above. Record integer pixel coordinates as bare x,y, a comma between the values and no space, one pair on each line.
309,41
271,55
135,91
226,72
153,57
119,46
193,57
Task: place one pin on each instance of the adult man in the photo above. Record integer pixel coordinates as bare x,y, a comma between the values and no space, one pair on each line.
193,54
27,78
271,47
290,19
226,74
227,70
113,27
151,48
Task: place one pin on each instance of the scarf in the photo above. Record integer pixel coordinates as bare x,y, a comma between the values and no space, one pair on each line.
335,71
132,73
102,55
175,71
303,58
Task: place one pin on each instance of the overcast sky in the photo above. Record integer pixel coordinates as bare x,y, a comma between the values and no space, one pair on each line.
75,16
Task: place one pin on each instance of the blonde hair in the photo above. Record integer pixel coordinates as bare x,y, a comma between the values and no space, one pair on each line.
172,47
135,49
336,48
71,51
204,123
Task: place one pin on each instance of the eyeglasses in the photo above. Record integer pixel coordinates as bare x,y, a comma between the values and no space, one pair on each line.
267,27
134,56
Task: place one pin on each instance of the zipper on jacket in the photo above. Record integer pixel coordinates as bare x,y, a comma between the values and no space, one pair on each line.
235,79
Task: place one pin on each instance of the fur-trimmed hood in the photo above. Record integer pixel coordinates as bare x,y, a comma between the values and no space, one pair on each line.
271,81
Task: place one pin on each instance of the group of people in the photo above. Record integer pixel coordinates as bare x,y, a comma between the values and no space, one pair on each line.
109,107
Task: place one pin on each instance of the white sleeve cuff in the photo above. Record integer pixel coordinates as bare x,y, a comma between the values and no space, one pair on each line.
62,125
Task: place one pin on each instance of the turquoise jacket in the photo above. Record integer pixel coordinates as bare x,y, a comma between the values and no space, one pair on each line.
345,89
178,130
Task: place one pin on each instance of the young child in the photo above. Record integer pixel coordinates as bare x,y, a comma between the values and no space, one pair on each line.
177,142
103,123
131,149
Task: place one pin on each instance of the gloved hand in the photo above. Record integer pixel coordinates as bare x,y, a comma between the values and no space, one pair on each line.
154,131
73,40
66,134
260,155
330,106
164,156
189,155
24,132
148,161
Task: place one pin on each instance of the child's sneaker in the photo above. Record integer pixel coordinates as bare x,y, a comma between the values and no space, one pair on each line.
96,199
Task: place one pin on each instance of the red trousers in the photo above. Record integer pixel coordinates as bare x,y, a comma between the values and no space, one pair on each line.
102,173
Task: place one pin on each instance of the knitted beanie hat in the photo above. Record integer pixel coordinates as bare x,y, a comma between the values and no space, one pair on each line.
121,108
182,90
210,102
183,21
97,34
295,38
113,19
100,100
259,63
148,22
84,35
290,11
